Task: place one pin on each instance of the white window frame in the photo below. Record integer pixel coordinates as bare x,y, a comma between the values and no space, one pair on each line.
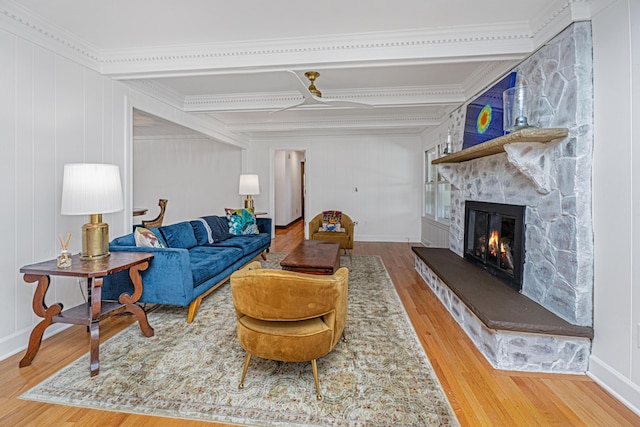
436,191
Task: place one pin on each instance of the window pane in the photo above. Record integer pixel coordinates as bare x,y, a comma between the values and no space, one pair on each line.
444,200
429,198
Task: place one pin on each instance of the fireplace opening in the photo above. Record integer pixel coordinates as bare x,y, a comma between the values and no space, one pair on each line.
494,239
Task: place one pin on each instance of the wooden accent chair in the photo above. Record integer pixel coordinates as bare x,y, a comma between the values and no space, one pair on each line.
289,316
157,222
345,237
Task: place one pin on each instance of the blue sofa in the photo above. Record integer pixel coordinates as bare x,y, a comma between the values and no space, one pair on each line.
198,256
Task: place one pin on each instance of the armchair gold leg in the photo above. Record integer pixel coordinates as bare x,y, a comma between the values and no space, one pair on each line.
344,337
244,371
314,367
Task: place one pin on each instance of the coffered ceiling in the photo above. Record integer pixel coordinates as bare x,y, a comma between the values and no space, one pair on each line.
230,62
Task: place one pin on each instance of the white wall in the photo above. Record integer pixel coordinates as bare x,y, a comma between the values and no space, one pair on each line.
54,111
615,359
287,187
198,176
386,170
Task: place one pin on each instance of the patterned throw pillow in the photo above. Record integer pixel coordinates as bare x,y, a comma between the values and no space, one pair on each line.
331,220
145,238
242,221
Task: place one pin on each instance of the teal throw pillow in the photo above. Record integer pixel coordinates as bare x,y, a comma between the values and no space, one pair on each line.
242,221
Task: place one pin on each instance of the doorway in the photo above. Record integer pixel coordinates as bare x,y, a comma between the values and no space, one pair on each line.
289,187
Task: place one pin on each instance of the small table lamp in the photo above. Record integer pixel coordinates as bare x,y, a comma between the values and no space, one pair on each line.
249,185
92,189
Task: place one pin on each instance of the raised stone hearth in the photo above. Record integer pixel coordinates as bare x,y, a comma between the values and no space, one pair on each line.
553,181
512,331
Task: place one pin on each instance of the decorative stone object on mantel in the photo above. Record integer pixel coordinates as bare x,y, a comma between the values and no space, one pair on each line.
525,150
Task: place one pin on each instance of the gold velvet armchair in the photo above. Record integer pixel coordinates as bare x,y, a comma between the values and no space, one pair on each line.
289,316
345,238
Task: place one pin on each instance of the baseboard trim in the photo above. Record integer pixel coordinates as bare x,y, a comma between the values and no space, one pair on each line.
280,227
617,385
17,342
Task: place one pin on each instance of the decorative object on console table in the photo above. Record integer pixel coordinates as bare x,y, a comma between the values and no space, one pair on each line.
92,189
64,259
94,310
249,186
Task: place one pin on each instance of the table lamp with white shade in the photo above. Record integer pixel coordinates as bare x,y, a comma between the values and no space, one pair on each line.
249,186
92,189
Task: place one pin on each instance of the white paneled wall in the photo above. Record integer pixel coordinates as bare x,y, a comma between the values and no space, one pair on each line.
435,234
385,170
54,111
198,176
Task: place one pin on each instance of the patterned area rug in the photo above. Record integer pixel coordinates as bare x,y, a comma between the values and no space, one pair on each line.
380,377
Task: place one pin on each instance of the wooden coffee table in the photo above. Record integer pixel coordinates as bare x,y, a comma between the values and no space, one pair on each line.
314,257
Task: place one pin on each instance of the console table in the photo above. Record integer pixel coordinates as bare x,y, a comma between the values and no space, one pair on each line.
94,310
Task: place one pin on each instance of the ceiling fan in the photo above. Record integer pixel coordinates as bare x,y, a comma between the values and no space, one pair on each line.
312,96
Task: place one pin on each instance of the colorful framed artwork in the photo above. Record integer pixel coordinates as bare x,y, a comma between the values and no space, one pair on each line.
483,121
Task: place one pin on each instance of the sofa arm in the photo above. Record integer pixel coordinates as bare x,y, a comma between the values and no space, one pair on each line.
167,280
264,225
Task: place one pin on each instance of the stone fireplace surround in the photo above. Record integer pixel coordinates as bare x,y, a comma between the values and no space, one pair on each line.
554,182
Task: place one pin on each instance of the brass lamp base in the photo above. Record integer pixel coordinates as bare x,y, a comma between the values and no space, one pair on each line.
248,202
95,239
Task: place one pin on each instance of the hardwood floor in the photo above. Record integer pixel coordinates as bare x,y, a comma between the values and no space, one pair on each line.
479,395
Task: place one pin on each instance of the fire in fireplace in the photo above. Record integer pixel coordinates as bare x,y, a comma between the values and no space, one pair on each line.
494,239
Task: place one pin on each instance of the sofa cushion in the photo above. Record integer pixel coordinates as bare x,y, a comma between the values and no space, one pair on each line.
249,243
179,235
207,261
126,240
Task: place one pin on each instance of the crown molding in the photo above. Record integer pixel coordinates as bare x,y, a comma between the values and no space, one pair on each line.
400,121
517,38
457,41
293,138
159,92
173,137
21,22
484,76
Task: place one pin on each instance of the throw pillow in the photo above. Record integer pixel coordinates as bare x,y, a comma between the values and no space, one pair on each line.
331,220
202,231
219,228
145,238
242,221
179,235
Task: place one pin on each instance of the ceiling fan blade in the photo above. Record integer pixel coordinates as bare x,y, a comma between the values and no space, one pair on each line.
302,87
350,104
310,99
307,99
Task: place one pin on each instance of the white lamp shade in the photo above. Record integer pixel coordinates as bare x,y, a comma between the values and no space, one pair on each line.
91,188
249,185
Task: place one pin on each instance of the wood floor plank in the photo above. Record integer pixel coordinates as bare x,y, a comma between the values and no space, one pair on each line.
478,394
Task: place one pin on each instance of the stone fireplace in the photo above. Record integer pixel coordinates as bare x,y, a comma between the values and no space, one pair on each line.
553,184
